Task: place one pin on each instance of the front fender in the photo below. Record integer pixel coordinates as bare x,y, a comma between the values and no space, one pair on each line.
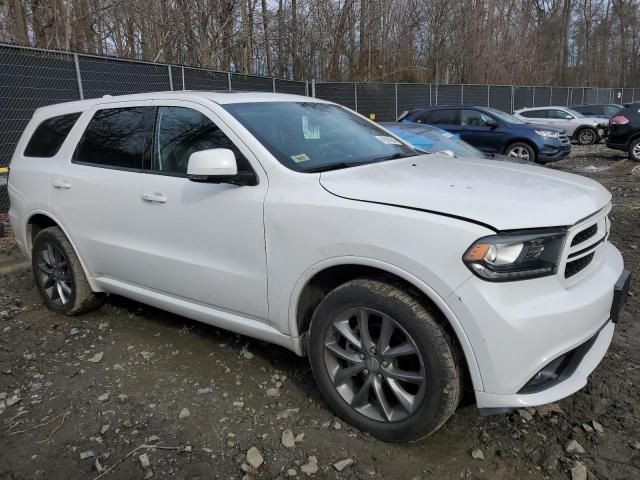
434,296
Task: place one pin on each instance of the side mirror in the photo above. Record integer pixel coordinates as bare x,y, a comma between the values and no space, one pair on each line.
217,165
448,153
491,123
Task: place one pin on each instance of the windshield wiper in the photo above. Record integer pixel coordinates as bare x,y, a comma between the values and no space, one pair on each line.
340,165
394,156
331,166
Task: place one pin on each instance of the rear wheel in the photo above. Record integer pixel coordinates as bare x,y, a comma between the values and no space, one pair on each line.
59,275
521,150
586,136
634,150
383,362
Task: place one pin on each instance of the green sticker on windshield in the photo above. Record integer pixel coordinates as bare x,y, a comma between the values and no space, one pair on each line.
301,157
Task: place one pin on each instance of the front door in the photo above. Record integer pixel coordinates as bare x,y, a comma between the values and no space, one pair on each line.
204,242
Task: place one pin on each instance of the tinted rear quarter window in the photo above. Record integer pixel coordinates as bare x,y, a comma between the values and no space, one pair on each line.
535,114
115,137
50,135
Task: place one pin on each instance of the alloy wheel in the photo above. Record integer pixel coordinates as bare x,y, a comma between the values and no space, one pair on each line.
635,152
55,274
519,152
374,365
586,137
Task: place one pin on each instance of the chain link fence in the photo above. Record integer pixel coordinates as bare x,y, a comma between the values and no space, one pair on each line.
385,101
31,78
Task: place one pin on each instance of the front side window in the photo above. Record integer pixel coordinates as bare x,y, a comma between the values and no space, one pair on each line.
611,110
181,131
115,137
311,137
442,117
50,135
474,118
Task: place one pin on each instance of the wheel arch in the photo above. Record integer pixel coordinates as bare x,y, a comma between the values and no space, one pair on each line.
39,220
324,277
525,140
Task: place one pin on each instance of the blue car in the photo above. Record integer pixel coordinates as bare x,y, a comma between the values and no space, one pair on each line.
431,139
497,132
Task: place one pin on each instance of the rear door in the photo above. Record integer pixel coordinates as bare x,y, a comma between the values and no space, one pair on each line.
204,242
94,190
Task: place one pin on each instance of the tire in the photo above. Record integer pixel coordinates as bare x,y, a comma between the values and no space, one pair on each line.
59,275
429,353
634,150
586,136
521,150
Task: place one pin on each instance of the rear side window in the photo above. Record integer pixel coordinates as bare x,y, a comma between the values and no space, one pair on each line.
534,114
442,117
50,135
115,137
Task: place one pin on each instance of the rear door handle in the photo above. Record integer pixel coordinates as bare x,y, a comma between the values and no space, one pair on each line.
154,198
61,184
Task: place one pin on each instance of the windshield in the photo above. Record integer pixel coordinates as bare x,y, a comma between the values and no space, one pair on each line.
573,112
432,140
504,116
314,137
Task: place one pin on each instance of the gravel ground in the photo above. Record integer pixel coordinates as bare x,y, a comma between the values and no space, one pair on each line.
85,395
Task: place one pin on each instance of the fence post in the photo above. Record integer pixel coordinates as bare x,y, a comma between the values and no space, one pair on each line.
355,94
273,82
436,94
513,100
229,80
462,94
313,87
170,78
533,97
488,96
78,76
396,86
183,84
550,96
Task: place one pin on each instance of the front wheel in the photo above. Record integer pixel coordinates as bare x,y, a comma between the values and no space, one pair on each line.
586,136
383,362
521,150
59,275
634,150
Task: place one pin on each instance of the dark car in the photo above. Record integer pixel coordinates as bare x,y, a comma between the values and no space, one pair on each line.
494,131
605,110
430,139
624,131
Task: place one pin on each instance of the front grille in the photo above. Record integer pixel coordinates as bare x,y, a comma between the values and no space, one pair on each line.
563,138
584,235
578,265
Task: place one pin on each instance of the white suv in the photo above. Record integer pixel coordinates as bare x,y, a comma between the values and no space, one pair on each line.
402,276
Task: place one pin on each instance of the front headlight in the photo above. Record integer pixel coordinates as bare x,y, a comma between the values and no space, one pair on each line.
548,134
516,256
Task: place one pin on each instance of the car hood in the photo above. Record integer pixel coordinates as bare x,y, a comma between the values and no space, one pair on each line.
501,195
596,120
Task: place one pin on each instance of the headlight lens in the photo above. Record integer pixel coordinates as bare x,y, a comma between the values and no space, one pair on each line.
516,256
548,134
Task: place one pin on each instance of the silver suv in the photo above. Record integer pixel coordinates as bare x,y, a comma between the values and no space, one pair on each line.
583,129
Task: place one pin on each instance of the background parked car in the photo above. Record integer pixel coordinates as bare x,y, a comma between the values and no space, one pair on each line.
584,130
494,131
624,131
432,139
606,110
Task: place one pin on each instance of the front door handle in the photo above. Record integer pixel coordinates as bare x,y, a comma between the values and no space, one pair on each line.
61,184
154,198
